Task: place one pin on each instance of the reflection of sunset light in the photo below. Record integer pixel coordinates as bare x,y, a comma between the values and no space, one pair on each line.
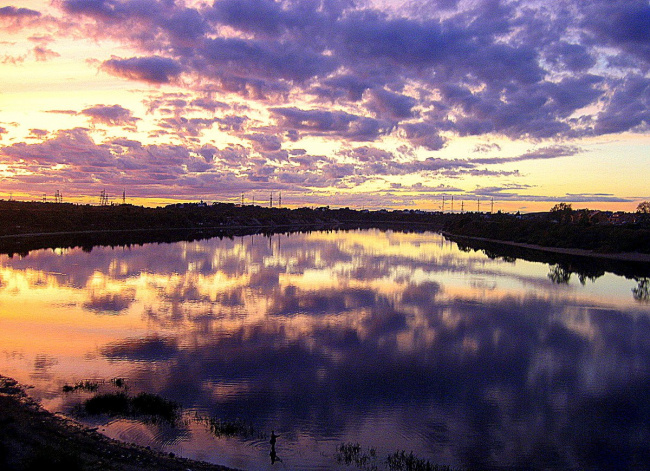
238,316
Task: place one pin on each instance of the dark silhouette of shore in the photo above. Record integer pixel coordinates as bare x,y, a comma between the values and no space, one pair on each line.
26,226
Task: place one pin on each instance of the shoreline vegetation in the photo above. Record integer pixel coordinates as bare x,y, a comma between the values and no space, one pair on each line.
32,438
26,226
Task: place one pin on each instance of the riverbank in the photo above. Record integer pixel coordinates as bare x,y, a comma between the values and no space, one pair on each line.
29,226
635,257
32,438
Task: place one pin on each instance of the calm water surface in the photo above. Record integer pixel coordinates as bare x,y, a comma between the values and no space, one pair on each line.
386,339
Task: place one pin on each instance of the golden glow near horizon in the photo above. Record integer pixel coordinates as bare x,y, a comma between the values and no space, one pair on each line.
194,102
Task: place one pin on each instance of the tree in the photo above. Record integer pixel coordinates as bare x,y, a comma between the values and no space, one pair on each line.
643,207
561,212
642,290
561,208
559,275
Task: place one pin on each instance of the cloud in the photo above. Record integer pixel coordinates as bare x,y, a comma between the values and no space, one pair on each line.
185,127
114,115
43,54
14,18
424,134
489,147
486,60
208,104
264,17
628,107
260,60
506,193
38,133
543,153
322,122
391,105
13,12
155,70
623,24
274,75
265,142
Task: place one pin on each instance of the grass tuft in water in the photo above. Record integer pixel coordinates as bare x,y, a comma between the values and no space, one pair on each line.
232,428
143,406
152,405
90,386
400,461
353,454
109,403
119,383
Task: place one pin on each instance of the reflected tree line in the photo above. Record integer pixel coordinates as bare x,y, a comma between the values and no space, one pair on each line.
562,267
560,274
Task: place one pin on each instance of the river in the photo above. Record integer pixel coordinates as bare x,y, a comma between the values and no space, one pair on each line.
385,339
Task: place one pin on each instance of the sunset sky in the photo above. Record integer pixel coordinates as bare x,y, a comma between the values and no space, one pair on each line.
366,104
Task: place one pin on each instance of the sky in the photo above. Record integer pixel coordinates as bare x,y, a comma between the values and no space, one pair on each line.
363,104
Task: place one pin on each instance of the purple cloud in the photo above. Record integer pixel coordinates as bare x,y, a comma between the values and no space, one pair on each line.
621,23
13,12
13,18
423,74
544,153
628,107
490,61
185,127
424,134
43,54
265,142
114,115
322,122
391,105
156,70
261,60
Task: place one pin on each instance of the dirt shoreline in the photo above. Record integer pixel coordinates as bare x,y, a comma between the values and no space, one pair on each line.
32,438
622,256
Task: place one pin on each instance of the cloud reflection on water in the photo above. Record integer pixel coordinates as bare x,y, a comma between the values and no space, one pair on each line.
477,361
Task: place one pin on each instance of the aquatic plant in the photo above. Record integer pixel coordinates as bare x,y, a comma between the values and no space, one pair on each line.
231,428
144,405
109,403
154,406
352,453
119,383
400,461
90,386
